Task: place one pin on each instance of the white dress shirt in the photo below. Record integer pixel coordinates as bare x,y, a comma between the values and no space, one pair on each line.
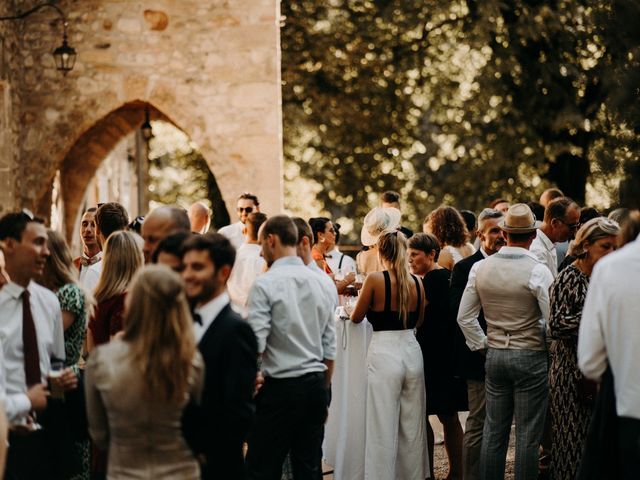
609,329
293,320
47,319
85,269
333,260
234,233
539,282
248,265
208,313
91,276
545,251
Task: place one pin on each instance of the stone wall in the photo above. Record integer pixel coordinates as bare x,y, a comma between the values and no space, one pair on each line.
9,113
210,67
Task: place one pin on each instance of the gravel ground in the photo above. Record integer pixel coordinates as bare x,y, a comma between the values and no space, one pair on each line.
441,465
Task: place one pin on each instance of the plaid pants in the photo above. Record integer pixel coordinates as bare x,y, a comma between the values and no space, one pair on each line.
517,384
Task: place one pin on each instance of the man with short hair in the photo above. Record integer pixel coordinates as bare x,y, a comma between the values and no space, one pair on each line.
110,217
549,195
391,199
334,257
561,221
512,289
91,251
228,346
247,203
200,217
294,325
249,264
609,336
32,335
169,251
160,223
500,204
471,364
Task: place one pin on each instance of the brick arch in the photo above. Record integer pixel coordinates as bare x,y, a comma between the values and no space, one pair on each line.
92,147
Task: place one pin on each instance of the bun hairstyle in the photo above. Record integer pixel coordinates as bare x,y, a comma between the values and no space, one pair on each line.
318,225
593,230
158,327
392,247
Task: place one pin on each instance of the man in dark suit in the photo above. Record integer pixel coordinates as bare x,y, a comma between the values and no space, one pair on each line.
229,349
471,364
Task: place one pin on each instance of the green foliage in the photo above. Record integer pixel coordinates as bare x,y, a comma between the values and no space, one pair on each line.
179,174
460,101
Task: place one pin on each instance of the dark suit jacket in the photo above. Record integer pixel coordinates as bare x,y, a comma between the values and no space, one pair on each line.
230,351
469,365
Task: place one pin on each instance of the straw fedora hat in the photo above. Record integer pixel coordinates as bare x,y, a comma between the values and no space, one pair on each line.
519,219
377,221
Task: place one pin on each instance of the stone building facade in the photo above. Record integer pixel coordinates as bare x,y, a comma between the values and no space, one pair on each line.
211,67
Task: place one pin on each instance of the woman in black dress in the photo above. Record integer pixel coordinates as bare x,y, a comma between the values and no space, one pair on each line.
569,411
446,395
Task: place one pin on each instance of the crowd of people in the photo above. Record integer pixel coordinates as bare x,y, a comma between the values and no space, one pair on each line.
168,351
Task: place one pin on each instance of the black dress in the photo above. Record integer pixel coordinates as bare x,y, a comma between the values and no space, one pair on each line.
445,393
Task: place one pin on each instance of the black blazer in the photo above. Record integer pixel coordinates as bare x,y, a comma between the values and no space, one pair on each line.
469,365
229,349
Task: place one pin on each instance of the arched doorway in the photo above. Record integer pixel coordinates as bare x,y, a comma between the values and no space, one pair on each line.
84,159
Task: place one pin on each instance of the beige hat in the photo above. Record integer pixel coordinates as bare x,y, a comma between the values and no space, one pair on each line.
377,221
519,219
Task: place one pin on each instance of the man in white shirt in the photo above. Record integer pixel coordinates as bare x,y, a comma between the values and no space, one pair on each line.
512,289
610,335
249,264
110,217
228,346
91,251
247,203
294,326
470,365
335,258
561,221
31,334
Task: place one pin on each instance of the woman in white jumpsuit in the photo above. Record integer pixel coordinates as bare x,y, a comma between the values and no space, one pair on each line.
393,302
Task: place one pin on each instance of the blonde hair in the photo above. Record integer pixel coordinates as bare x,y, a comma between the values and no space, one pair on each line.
158,328
122,258
392,246
59,269
594,229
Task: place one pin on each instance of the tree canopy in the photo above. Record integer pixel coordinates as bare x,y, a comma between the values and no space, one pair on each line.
459,102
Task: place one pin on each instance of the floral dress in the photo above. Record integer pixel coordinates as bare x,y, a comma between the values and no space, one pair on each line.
72,300
570,417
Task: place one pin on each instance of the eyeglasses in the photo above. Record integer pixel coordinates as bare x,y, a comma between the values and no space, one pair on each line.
245,209
571,226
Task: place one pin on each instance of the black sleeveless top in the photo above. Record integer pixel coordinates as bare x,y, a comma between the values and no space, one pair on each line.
390,319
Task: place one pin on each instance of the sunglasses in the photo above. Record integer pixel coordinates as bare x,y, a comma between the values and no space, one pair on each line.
245,209
27,213
571,226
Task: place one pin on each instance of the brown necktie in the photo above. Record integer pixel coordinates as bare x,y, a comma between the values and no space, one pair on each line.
30,343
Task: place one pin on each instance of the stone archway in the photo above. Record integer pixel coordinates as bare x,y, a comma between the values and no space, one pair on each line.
212,66
81,163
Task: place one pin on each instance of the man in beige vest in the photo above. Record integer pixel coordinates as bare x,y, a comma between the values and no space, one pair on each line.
512,288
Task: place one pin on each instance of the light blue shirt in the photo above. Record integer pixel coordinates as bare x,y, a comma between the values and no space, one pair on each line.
291,314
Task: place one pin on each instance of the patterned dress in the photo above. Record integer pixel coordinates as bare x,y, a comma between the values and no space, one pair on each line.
72,300
570,417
